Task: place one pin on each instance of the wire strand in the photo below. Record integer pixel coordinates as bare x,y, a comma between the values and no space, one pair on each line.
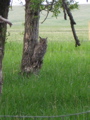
58,116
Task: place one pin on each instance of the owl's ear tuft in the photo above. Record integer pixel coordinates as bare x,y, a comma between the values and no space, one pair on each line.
40,37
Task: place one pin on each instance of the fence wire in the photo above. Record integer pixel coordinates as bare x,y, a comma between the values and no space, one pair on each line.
58,116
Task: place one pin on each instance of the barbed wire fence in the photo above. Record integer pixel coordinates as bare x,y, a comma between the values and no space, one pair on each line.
49,117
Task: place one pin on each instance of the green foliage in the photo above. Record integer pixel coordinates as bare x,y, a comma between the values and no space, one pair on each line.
74,6
55,8
35,4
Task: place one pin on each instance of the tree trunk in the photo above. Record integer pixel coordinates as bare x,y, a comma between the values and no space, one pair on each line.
4,7
30,36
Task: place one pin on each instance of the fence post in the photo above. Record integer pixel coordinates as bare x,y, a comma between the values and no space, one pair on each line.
89,31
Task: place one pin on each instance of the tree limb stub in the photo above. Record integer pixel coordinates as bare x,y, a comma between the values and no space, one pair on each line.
72,22
3,20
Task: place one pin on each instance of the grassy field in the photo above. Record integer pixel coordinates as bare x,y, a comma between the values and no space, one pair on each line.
63,85
55,29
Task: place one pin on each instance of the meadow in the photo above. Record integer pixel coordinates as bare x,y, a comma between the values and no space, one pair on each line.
63,85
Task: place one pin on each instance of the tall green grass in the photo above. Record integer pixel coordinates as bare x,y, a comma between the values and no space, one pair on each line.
61,87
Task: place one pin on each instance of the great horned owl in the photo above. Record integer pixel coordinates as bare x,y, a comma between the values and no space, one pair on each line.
40,50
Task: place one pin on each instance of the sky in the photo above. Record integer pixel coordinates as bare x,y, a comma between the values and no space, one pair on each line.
22,2
83,1
80,1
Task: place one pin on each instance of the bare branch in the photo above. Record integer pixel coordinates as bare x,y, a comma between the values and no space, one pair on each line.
45,17
71,21
75,36
51,6
3,20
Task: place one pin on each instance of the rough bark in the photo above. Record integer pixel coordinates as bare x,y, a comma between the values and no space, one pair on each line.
4,7
30,36
33,51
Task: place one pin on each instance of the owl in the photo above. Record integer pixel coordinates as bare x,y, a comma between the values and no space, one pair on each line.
40,50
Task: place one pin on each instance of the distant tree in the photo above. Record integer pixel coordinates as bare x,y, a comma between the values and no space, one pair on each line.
4,8
32,15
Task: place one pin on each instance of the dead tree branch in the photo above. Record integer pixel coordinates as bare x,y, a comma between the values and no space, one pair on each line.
3,20
48,9
45,17
75,36
72,22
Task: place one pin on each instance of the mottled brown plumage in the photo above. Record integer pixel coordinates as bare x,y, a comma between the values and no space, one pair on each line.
39,52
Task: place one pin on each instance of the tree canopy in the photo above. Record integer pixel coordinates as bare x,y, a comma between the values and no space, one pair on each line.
55,7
